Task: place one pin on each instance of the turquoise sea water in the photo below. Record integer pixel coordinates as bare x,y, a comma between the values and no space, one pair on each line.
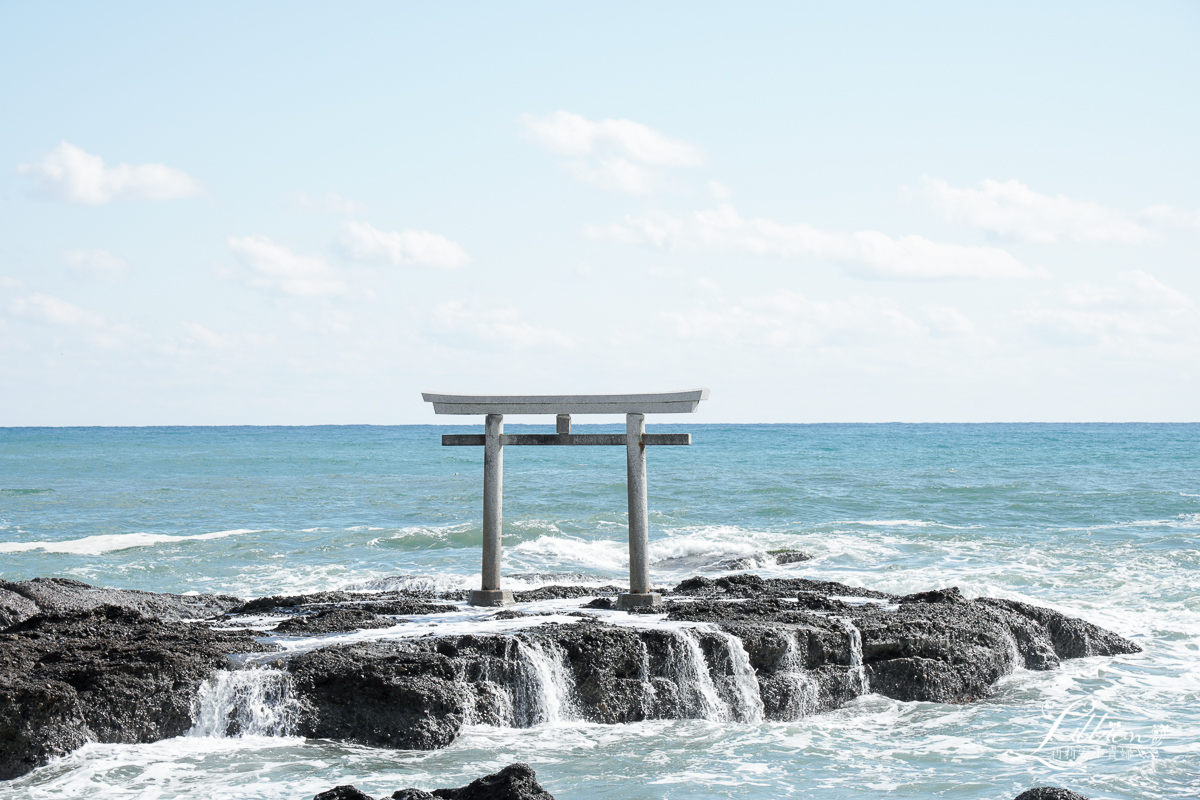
1100,521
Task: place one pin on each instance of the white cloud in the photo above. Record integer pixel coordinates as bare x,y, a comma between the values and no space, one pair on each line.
1011,208
946,322
279,268
1136,317
787,319
1169,215
364,242
98,264
497,326
328,203
54,311
866,253
73,175
617,154
1134,290
203,335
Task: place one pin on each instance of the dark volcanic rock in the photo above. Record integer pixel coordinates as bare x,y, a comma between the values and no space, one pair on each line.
335,619
561,592
14,607
786,556
753,586
272,602
346,792
1070,637
62,595
514,782
105,674
397,603
945,653
378,694
406,606
951,595
1049,793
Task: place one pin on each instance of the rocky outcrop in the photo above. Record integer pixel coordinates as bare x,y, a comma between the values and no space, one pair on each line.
1049,793
514,782
377,603
102,673
19,601
738,648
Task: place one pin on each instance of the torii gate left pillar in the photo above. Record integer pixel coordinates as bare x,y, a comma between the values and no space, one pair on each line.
635,439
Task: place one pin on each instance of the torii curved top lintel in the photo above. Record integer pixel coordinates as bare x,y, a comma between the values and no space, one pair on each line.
659,403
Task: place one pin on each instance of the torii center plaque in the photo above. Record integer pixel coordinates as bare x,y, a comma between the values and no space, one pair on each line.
635,407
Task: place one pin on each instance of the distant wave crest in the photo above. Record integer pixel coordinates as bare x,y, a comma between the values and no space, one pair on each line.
110,542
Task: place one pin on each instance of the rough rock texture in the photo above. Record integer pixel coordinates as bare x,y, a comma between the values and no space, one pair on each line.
752,586
787,556
560,592
514,782
335,619
378,694
22,600
346,792
1069,637
1049,793
382,603
104,673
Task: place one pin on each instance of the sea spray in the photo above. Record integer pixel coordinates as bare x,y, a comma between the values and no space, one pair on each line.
858,674
245,702
805,689
543,685
741,682
688,670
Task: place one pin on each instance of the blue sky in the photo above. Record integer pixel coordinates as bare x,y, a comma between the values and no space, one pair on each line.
297,213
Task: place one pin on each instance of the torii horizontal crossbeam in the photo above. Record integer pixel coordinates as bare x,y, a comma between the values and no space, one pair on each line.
613,439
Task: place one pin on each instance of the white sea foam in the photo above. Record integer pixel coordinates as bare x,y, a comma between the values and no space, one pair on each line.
886,523
111,542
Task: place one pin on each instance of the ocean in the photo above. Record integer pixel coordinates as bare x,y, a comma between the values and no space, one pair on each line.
1100,521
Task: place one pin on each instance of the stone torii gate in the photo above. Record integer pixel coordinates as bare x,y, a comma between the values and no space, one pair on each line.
635,439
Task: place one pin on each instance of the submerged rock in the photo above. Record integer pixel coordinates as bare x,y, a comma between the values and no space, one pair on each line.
514,782
345,792
1049,793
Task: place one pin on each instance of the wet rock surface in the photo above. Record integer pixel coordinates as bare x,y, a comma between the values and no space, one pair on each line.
753,586
336,619
397,603
735,648
514,782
